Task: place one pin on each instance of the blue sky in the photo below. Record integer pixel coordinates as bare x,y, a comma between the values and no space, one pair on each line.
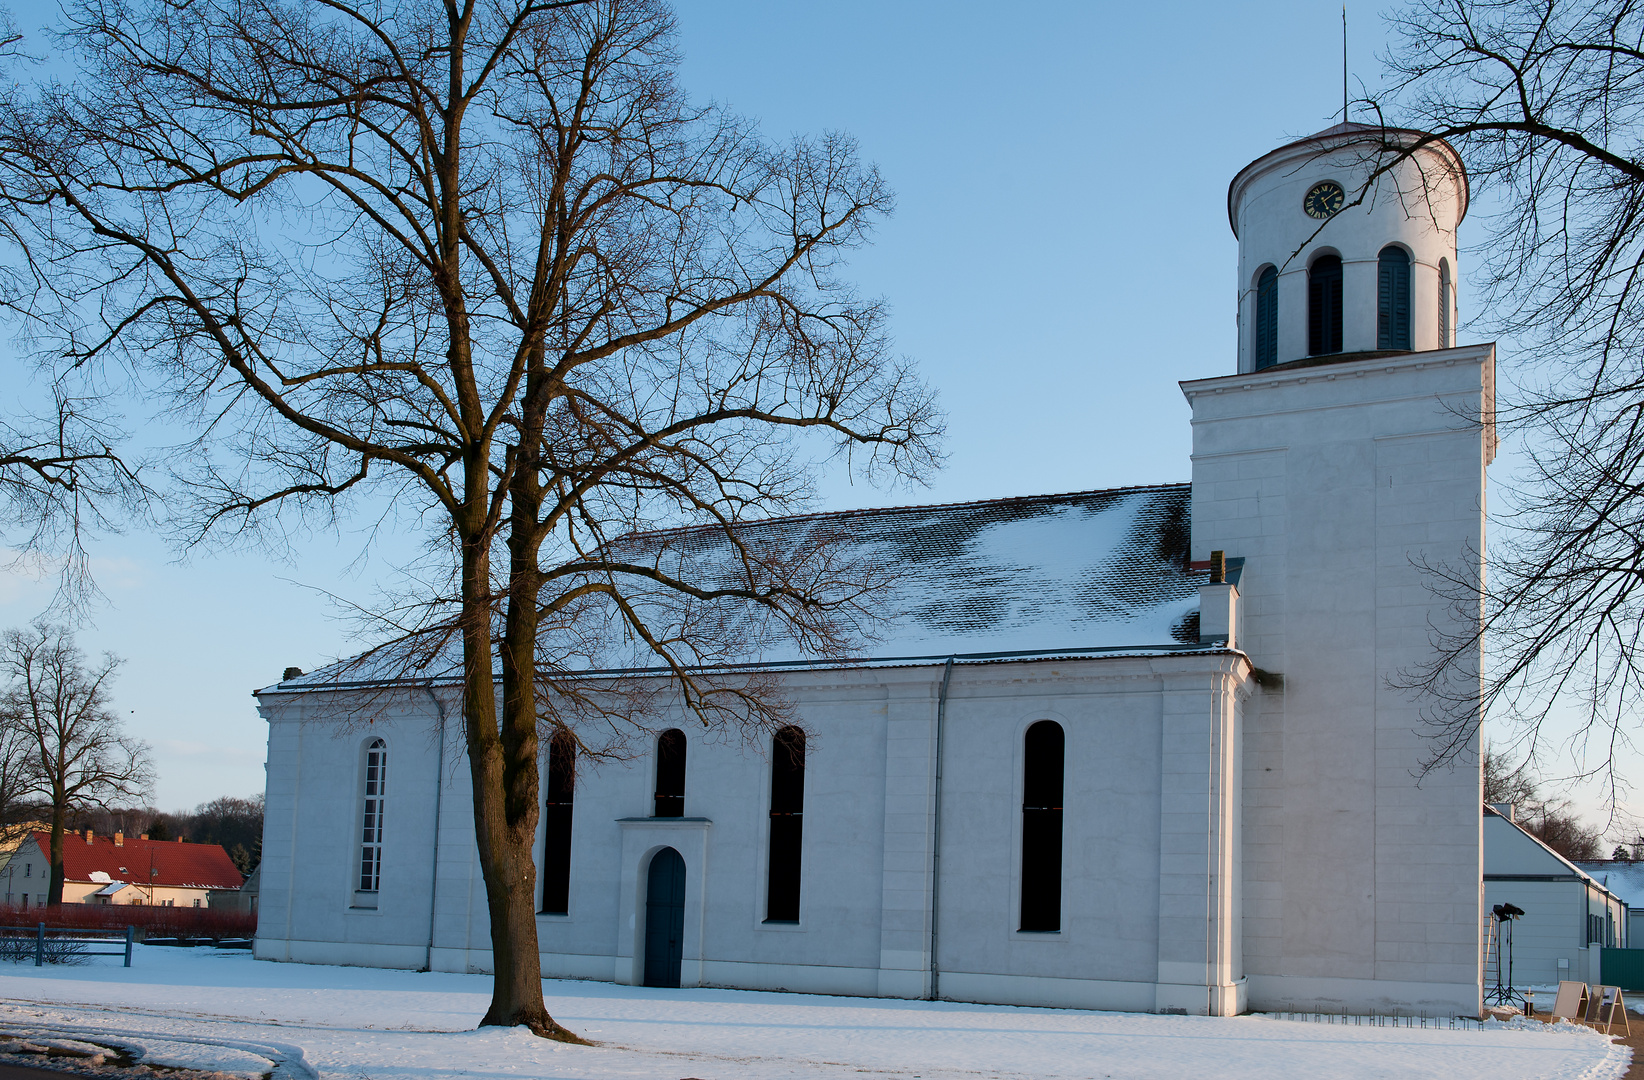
1059,259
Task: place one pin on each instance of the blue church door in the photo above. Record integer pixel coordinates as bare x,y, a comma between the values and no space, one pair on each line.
664,918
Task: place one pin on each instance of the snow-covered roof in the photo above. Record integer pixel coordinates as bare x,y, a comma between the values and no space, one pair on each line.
1624,879
1086,572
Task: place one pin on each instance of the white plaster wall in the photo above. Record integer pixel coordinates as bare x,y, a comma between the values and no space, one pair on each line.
1553,927
867,870
1111,823
311,828
1416,205
1333,481
1508,850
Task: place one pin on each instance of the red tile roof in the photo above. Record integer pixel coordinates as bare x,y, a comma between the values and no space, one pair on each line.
146,862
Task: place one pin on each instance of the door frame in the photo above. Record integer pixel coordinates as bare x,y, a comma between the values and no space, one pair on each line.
647,937
642,838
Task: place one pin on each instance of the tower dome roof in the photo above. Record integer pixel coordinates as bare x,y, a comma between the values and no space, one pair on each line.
1339,135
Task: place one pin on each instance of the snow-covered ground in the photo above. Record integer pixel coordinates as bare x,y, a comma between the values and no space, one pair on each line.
199,1008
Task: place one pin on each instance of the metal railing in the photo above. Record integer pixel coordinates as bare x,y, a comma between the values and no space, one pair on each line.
1396,1020
73,936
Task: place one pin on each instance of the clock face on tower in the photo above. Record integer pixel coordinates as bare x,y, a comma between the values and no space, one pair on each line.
1323,199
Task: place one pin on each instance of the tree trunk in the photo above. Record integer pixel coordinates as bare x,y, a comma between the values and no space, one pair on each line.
54,892
502,762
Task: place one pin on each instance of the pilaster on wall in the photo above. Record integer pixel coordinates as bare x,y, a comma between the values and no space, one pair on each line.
1200,966
910,801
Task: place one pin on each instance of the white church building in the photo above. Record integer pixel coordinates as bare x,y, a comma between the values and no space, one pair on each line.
1088,764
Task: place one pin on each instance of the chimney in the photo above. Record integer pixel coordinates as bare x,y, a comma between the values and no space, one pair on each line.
1505,809
179,839
1219,605
119,839
143,837
88,836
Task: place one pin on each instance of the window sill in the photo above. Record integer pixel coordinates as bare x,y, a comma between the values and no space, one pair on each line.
786,926
628,821
364,901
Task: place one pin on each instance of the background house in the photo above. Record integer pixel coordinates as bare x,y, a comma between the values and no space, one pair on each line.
1567,911
118,870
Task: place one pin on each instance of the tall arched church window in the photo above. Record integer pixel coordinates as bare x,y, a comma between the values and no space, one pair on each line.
371,810
670,774
1444,304
1324,306
1042,828
1393,299
1267,318
556,854
787,825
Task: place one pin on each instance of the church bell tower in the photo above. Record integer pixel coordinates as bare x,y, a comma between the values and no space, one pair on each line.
1343,461
1343,249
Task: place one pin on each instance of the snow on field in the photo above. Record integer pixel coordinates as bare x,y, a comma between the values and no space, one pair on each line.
224,1010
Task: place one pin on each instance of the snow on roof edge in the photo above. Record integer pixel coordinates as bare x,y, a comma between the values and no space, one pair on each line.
1098,652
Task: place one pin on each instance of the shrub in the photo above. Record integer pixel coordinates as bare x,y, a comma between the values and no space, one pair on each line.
17,947
154,921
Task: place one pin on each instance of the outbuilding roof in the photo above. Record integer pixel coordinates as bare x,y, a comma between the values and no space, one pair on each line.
145,862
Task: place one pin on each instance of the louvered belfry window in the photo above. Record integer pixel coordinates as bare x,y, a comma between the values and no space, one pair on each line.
1042,828
787,825
1324,306
376,789
556,855
1393,299
670,774
1267,318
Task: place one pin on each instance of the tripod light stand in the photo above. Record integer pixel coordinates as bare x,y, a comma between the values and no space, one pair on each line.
1504,993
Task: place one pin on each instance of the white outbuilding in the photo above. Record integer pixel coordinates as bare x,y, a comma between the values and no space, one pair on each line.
1569,914
1080,765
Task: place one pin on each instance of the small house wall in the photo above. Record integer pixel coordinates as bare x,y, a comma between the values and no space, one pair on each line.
1557,901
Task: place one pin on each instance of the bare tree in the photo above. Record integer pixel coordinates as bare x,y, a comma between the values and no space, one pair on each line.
484,268
1552,820
19,772
1545,101
61,479
60,704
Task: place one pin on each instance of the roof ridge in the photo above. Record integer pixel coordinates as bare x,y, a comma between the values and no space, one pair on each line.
910,508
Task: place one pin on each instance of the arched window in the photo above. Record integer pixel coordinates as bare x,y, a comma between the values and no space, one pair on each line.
1042,828
556,854
1324,306
376,789
1393,299
1444,304
1267,318
787,825
670,774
